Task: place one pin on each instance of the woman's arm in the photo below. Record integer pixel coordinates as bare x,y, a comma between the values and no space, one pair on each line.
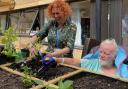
60,52
41,34
70,61
32,41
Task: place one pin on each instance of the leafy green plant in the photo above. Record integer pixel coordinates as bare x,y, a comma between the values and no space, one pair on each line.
27,78
18,56
67,84
8,40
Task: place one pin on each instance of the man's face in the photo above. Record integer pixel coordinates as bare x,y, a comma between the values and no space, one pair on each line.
106,54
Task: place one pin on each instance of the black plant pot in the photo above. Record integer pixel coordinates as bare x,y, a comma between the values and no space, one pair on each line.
11,58
25,52
1,48
4,58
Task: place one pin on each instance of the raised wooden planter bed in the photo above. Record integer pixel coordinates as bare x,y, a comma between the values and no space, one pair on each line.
82,79
52,75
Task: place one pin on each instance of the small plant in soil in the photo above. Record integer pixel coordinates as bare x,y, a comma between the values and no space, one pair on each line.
27,78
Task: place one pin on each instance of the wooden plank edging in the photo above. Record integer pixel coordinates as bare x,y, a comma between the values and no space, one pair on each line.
42,86
7,64
86,70
64,76
114,77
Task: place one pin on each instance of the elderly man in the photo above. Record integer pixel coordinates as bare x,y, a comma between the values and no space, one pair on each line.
107,59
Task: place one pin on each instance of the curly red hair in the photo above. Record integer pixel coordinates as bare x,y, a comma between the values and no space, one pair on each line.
64,6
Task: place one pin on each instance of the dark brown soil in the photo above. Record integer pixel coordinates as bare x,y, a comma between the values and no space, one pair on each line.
52,73
47,73
10,81
94,81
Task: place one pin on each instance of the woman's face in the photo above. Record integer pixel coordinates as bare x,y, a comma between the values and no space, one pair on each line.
58,15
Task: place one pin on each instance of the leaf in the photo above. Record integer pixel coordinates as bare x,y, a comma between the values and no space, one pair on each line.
60,84
68,84
65,85
39,82
18,56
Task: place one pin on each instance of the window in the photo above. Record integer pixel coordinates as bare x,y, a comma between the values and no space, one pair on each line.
2,23
14,21
24,22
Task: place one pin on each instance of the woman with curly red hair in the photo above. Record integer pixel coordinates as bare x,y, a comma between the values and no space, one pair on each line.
60,31
62,6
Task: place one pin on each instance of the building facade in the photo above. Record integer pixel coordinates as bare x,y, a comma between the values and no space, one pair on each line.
29,16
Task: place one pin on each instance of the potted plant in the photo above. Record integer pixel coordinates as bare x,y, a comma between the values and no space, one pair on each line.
9,53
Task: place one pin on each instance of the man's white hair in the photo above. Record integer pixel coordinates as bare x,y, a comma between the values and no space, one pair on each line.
111,42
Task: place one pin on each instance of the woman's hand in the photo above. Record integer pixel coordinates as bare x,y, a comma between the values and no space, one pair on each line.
32,51
50,54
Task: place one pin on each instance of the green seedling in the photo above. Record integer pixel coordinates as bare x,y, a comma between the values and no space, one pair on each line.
27,78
